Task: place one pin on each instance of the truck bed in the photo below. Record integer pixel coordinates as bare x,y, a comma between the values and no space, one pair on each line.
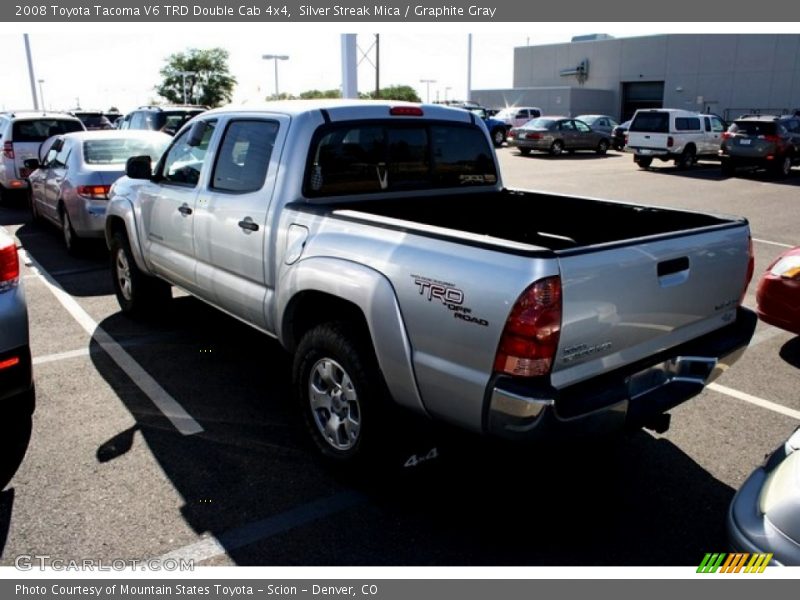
551,221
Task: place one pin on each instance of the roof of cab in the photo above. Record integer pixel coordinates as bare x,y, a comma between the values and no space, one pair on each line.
340,109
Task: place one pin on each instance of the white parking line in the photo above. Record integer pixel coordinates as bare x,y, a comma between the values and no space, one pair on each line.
40,360
173,411
772,243
778,408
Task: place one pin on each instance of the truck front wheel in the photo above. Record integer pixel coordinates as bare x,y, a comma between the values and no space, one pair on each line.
340,392
137,293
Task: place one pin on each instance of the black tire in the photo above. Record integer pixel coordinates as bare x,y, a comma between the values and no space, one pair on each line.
687,159
783,166
138,294
524,151
72,242
346,423
602,147
498,136
644,162
557,148
728,170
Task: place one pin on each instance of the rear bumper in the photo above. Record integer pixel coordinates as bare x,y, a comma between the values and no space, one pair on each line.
628,397
761,162
16,383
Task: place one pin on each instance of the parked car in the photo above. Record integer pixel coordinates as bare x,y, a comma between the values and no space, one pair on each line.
496,127
21,134
557,135
768,142
516,116
404,278
69,185
16,379
93,119
764,516
671,134
168,118
618,135
778,292
600,123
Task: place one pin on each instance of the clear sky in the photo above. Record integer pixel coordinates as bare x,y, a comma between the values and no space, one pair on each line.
100,65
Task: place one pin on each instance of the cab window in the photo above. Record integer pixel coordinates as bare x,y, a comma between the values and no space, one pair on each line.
183,163
244,155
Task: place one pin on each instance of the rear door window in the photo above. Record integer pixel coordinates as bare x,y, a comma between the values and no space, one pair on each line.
687,124
244,155
376,157
651,122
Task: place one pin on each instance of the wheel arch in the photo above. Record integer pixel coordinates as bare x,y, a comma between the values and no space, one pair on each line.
123,222
319,290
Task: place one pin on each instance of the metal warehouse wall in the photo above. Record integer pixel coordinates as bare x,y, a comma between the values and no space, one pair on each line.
718,73
561,100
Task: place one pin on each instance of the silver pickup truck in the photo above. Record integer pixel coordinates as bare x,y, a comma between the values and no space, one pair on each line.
377,243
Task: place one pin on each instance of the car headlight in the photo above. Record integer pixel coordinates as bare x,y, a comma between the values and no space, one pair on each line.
787,267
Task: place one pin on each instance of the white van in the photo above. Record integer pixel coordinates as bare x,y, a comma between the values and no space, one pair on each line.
674,134
517,116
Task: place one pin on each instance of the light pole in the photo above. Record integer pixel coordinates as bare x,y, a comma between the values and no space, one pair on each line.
447,89
184,74
41,93
427,83
276,58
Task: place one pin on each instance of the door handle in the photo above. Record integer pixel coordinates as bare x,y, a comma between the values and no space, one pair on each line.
670,267
248,225
184,209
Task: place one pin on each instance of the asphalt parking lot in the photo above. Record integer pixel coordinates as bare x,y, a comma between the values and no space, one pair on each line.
177,437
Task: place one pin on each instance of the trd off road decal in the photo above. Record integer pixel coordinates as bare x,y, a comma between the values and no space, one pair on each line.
449,295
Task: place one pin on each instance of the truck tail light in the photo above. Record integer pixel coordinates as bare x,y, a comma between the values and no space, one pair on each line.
751,266
95,192
670,142
530,337
9,267
726,135
8,150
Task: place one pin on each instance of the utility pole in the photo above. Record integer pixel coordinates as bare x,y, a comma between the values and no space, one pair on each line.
377,65
184,74
41,94
30,71
427,83
469,66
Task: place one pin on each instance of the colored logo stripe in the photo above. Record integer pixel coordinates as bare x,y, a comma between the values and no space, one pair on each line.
734,563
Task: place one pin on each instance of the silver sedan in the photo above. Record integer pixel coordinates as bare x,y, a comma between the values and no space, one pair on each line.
557,135
74,173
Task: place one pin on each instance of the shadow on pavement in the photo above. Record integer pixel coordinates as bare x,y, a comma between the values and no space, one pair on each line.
251,480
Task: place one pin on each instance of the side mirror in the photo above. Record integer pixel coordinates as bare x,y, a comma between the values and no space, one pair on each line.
196,134
31,164
139,167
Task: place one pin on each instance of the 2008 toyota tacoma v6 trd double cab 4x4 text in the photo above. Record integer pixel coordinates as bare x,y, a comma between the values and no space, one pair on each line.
376,242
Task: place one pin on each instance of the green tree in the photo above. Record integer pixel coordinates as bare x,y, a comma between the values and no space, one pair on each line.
208,80
314,94
395,92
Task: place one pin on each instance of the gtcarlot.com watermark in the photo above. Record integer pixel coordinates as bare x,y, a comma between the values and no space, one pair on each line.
30,562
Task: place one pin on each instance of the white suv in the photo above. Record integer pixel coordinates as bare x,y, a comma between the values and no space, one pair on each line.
673,134
516,116
21,134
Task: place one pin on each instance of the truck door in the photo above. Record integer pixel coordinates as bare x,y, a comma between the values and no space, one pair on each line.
232,217
168,206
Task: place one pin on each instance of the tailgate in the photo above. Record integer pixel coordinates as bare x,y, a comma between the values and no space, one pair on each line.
641,140
623,304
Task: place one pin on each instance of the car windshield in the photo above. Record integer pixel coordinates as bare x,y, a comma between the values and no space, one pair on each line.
588,119
118,151
539,124
39,130
651,122
753,128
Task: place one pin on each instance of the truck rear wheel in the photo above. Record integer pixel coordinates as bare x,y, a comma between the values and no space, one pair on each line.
137,293
643,161
687,159
341,393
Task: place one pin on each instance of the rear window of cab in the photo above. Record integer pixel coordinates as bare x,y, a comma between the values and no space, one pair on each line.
375,157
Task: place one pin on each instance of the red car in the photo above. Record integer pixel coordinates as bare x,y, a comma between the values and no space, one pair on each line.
778,294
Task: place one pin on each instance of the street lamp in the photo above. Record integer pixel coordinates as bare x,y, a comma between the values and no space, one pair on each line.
184,74
41,94
447,89
427,83
276,58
